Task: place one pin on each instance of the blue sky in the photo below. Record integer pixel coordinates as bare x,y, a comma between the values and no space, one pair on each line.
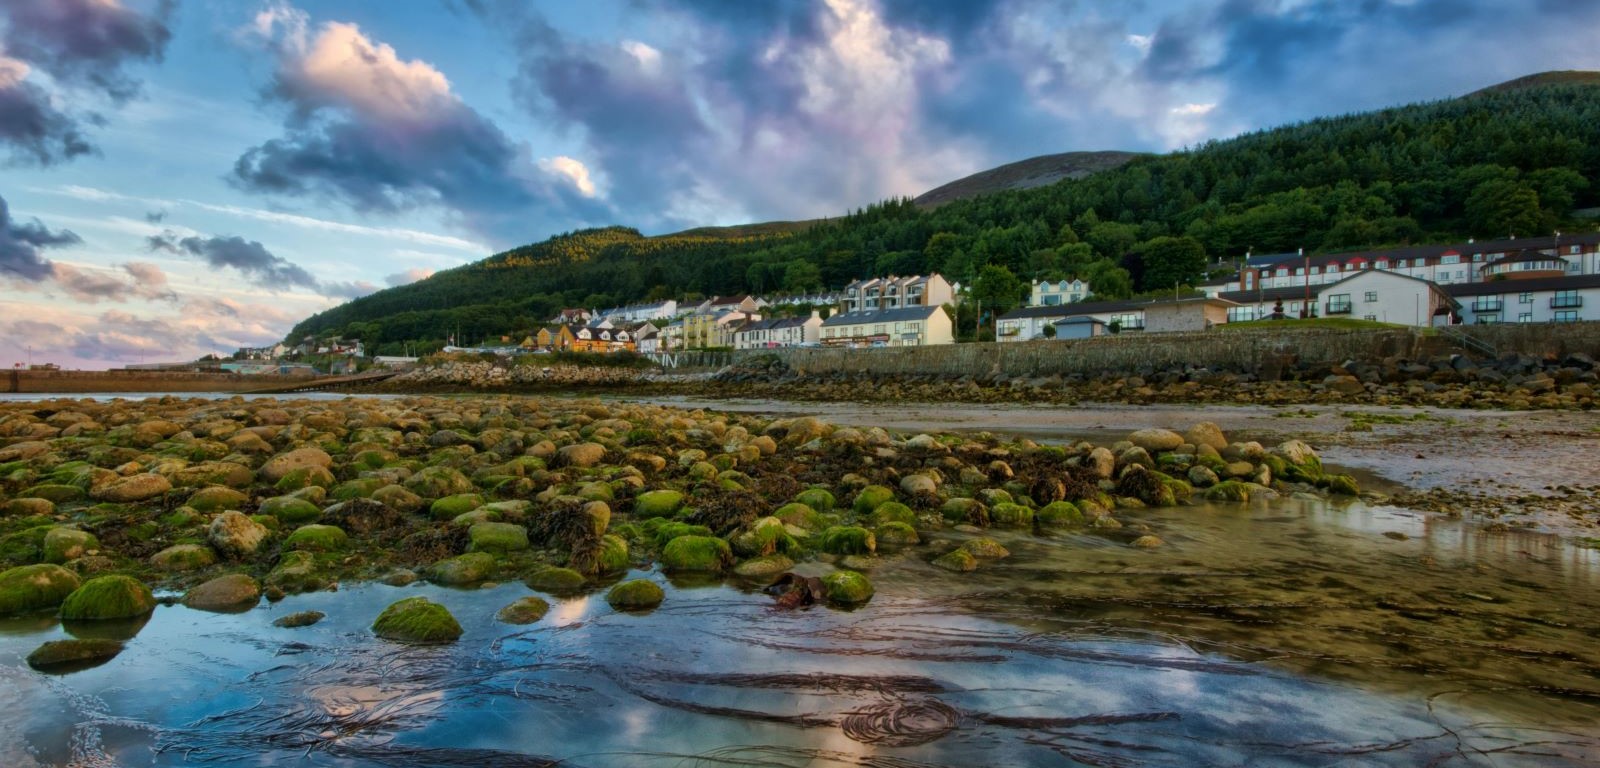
180,177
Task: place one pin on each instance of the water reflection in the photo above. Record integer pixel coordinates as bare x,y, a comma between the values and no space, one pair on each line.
1294,633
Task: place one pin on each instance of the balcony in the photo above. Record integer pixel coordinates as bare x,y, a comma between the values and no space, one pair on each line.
1566,302
1488,305
1338,308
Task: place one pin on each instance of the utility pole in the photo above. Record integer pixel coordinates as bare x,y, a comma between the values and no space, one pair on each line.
1305,309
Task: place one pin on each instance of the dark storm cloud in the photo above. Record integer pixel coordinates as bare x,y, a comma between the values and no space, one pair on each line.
247,256
36,131
382,133
21,243
86,41
85,45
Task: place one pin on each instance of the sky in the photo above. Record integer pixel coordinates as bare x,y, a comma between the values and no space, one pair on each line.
180,177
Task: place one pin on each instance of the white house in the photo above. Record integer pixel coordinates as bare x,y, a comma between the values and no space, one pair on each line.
1048,294
904,327
1374,294
639,313
779,332
1028,323
1534,300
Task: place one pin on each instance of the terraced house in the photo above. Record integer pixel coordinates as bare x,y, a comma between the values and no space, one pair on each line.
913,326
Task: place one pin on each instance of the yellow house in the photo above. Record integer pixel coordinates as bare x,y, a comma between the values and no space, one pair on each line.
558,337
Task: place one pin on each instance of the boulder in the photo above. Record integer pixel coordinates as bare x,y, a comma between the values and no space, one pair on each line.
635,595
555,580
300,619
233,592
461,570
63,544
290,509
524,611
234,535
1206,433
581,454
417,620
217,498
133,488
661,503
847,588
280,466
108,597
317,538
35,588
56,655
706,554
498,538
180,558
1156,440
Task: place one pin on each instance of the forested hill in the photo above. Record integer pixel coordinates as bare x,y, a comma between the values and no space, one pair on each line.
1500,162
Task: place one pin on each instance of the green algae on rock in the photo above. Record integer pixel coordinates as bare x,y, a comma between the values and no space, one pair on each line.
526,610
181,558
108,597
317,538
73,655
417,620
32,588
299,619
706,554
635,595
847,588
463,570
556,580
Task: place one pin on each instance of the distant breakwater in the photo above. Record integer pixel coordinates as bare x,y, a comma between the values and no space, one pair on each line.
85,382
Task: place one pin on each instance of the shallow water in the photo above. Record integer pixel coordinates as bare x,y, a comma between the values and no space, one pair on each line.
1282,633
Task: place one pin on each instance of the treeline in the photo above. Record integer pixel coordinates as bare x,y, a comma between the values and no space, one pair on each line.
1489,165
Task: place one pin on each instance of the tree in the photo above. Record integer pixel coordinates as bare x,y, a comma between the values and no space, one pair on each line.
998,289
1170,261
1502,207
936,254
802,276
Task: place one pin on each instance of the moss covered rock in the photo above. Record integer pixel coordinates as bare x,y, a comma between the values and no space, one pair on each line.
664,503
962,510
438,482
108,597
305,477
847,540
986,548
28,507
132,488
635,595
298,572
35,588
1342,485
56,493
180,558
396,497
870,498
498,538
666,532
1058,515
317,538
460,570
765,567
555,580
299,619
1007,515
290,510
284,464
847,588
895,536
800,516
818,499
524,611
451,507
893,512
417,620
63,544
613,554
62,655
1228,491
217,498
958,560
706,554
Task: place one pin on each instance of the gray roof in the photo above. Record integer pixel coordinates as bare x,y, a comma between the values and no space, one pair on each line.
901,314
1079,321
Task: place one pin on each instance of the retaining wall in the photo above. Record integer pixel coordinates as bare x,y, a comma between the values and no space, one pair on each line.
1219,349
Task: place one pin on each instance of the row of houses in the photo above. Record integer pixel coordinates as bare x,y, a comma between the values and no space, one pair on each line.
1534,285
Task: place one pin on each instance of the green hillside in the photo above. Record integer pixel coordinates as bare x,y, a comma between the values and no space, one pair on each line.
1500,162
1024,174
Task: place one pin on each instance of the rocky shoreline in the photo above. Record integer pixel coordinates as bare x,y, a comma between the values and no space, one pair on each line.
232,500
1512,382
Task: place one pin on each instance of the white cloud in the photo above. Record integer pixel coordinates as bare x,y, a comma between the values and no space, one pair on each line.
572,170
649,58
1193,109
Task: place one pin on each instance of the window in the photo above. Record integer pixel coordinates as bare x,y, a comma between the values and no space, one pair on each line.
1525,317
1052,300
1525,298
1372,296
1566,300
1452,259
1339,304
1487,304
1373,318
1567,316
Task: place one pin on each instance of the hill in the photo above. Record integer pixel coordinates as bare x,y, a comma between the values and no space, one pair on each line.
1510,160
1025,174
1540,79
